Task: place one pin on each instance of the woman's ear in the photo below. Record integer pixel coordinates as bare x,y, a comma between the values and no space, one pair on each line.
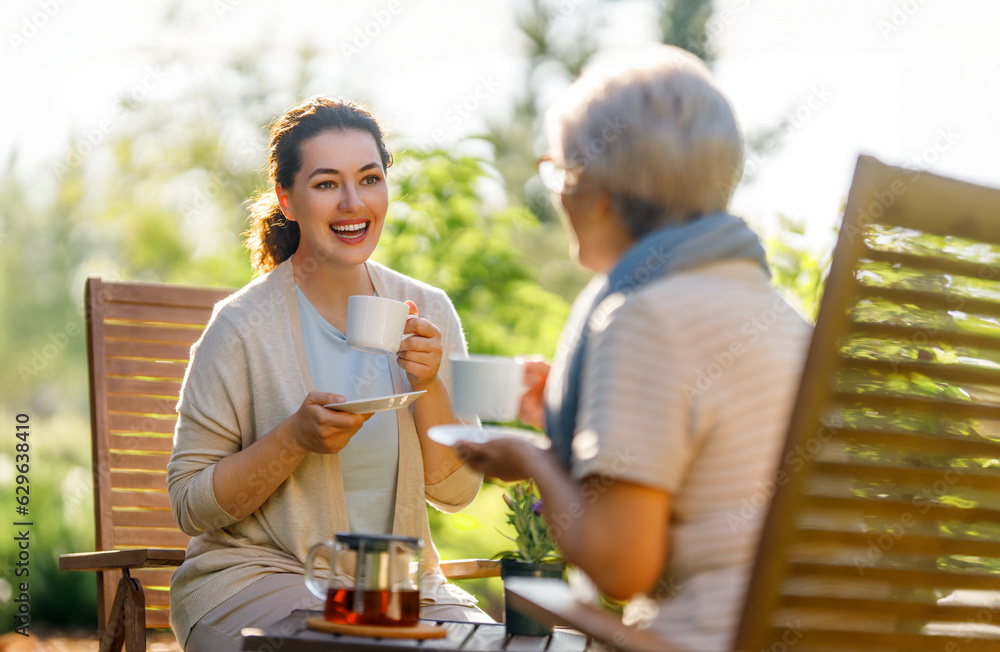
604,206
283,203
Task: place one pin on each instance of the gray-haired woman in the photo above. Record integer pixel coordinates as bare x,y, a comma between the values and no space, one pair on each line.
676,373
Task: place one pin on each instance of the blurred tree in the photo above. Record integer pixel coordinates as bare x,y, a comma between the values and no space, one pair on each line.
798,269
440,231
41,333
560,38
684,23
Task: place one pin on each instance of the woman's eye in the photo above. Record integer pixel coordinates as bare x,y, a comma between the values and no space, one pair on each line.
326,185
371,180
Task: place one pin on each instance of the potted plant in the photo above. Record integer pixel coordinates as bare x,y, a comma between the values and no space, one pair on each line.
536,554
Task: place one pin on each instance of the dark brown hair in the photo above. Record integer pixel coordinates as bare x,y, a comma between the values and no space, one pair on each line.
272,239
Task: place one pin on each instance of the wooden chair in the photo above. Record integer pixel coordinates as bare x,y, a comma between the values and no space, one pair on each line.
139,337
884,528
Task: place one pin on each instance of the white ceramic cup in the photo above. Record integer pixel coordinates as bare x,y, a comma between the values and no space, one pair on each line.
375,324
487,386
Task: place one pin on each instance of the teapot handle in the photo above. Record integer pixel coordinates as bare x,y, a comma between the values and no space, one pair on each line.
316,586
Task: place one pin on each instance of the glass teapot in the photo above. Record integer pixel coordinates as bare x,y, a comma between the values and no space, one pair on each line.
373,579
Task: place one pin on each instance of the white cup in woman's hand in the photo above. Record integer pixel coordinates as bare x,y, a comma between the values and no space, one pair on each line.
375,324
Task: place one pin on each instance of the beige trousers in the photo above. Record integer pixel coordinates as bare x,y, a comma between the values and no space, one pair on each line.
270,599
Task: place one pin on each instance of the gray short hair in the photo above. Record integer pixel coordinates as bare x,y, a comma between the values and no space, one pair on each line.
658,136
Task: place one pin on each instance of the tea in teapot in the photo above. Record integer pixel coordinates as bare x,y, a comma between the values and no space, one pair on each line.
373,579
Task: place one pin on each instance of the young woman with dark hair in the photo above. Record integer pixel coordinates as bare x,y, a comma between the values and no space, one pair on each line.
260,470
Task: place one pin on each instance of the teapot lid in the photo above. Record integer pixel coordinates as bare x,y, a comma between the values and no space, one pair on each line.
376,542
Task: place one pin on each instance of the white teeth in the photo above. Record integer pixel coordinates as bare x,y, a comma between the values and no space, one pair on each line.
350,227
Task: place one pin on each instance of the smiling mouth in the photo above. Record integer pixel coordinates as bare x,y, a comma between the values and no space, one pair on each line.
350,232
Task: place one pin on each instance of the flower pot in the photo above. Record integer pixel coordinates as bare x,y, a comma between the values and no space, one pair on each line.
518,623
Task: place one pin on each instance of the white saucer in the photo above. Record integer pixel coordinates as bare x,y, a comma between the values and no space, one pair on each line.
450,434
377,404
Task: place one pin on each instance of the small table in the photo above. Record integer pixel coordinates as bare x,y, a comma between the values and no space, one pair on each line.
290,634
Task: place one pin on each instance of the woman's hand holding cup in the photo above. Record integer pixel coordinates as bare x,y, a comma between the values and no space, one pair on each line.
500,388
386,326
532,409
420,355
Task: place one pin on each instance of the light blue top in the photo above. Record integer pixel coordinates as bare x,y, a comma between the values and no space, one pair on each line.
370,461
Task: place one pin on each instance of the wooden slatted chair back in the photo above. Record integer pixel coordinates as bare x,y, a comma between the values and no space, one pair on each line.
139,340
884,530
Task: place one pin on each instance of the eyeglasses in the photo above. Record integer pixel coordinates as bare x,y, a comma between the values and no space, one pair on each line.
554,175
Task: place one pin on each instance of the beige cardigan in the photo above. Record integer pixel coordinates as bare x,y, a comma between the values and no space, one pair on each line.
248,372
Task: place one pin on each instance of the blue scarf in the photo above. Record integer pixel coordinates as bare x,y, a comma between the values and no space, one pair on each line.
701,241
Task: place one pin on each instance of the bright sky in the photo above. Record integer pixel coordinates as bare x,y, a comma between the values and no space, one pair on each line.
913,82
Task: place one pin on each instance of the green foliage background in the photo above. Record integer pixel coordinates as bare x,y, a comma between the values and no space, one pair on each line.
438,233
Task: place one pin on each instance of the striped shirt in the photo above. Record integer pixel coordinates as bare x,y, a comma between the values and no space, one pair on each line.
688,387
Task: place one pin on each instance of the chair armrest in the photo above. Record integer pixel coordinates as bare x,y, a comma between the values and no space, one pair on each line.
549,601
112,559
470,569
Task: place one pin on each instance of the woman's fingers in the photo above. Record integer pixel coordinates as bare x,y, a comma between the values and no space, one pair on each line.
343,420
503,458
325,430
536,373
324,398
420,355
421,329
